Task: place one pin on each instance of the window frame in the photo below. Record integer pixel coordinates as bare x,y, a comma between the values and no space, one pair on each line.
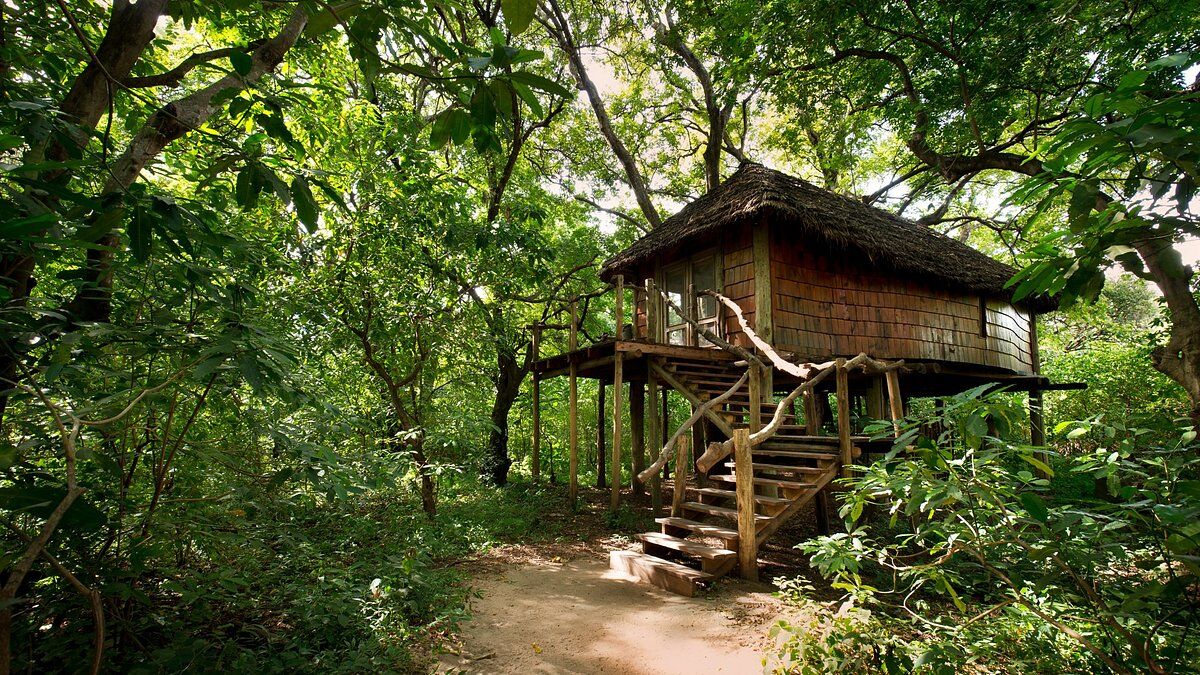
690,306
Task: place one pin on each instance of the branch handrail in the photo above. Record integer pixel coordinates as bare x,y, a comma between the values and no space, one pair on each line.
712,337
665,455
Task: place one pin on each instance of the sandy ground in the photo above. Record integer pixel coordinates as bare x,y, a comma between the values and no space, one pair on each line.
576,616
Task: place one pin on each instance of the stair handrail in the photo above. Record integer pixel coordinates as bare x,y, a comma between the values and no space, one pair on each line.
700,411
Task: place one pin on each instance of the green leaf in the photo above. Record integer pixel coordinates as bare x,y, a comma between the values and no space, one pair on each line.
41,502
1039,464
138,230
22,227
306,206
538,82
241,62
250,370
1035,506
518,14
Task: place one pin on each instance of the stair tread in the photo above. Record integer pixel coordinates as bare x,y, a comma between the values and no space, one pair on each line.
706,529
685,546
760,499
758,480
764,449
714,510
765,466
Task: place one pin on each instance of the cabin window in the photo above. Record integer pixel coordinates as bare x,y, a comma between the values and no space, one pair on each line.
704,278
676,282
983,318
681,281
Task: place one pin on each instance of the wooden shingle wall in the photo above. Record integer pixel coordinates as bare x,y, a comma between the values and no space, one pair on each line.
828,303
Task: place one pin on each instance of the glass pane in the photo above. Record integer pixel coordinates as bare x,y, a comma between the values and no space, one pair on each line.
676,287
676,337
704,277
711,326
704,274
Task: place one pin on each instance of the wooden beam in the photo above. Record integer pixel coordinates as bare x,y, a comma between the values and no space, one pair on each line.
601,451
681,473
573,411
747,528
843,416
536,455
637,433
618,392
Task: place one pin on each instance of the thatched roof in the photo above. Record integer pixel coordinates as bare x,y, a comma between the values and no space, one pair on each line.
755,192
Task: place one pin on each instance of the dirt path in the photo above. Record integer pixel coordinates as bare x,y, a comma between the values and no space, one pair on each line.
552,616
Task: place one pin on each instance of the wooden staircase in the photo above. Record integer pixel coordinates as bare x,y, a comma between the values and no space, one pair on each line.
698,543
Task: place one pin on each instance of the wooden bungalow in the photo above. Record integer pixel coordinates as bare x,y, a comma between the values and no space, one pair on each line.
758,302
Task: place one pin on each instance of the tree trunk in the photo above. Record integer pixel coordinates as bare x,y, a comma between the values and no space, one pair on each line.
510,373
428,496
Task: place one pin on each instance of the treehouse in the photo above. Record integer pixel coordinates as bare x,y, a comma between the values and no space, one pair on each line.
787,316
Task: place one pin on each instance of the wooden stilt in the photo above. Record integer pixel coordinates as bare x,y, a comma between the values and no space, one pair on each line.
747,530
821,511
895,400
812,416
618,386
601,451
654,433
637,433
843,416
664,423
573,412
536,456
681,474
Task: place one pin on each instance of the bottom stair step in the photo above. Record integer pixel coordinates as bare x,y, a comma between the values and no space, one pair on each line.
729,536
665,574
686,546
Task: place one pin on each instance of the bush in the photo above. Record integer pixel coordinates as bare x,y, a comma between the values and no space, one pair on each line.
961,541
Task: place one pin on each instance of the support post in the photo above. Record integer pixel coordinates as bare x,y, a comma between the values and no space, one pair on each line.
618,384
573,410
812,415
895,401
755,415
664,425
1037,425
681,473
652,315
843,416
747,531
536,456
601,450
654,433
876,400
637,433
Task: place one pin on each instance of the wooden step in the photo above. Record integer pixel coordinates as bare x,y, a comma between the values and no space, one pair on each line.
768,450
782,468
714,510
687,546
665,574
730,494
703,529
759,480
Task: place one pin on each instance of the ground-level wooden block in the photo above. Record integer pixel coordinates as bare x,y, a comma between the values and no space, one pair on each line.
666,575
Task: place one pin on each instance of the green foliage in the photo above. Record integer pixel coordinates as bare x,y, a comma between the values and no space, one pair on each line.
959,535
1125,167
